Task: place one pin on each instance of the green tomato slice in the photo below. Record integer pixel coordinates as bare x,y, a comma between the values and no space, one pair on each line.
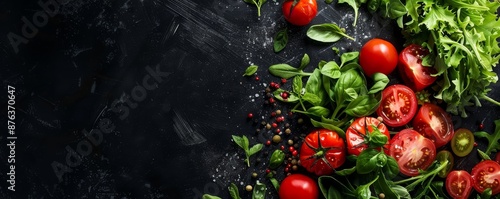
462,142
442,156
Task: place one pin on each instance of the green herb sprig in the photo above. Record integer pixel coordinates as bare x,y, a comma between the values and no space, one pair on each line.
243,143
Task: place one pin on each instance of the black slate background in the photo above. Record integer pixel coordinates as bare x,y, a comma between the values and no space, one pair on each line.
85,69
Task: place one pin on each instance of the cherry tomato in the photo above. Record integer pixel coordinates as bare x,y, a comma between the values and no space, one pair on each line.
410,67
442,156
299,12
378,55
459,184
434,123
398,105
486,174
322,151
412,151
298,186
462,142
356,137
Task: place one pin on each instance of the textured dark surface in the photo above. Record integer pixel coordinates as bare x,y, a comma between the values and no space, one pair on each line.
90,67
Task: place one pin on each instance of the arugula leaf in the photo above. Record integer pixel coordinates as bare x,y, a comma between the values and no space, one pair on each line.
493,139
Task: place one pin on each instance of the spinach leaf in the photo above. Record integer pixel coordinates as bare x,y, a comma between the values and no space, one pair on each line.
327,32
251,70
280,40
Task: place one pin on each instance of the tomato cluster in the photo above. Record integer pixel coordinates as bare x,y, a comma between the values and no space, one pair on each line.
414,148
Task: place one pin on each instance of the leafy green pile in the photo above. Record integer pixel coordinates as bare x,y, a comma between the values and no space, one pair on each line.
462,36
333,94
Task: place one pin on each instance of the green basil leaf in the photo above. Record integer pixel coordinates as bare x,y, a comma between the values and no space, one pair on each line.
277,159
304,61
333,193
350,94
255,148
373,5
292,97
251,70
336,50
284,71
401,191
355,6
349,79
313,84
363,105
364,191
241,141
280,40
346,172
233,191
367,161
297,85
318,111
486,193
382,186
311,98
381,160
275,183
347,57
377,138
381,80
259,191
391,168
327,32
331,69
208,196
332,127
328,1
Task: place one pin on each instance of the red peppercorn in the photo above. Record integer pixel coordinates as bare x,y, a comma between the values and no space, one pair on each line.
475,144
250,115
278,131
280,119
282,147
272,100
283,80
287,170
268,142
273,114
481,126
274,125
291,149
284,95
295,153
257,78
268,170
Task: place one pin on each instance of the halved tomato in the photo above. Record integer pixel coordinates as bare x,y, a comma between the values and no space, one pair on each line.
486,174
459,184
398,105
412,151
434,123
410,67
356,135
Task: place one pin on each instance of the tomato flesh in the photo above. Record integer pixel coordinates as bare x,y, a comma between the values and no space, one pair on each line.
459,184
412,151
300,14
434,123
462,142
398,105
298,186
378,55
356,134
486,174
410,67
322,151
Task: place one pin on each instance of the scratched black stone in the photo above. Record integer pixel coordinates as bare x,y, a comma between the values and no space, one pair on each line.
174,141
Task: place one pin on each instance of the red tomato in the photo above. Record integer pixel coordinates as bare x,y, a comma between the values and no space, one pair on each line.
356,137
434,123
410,67
412,151
299,12
459,184
486,174
398,105
298,186
378,55
322,151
